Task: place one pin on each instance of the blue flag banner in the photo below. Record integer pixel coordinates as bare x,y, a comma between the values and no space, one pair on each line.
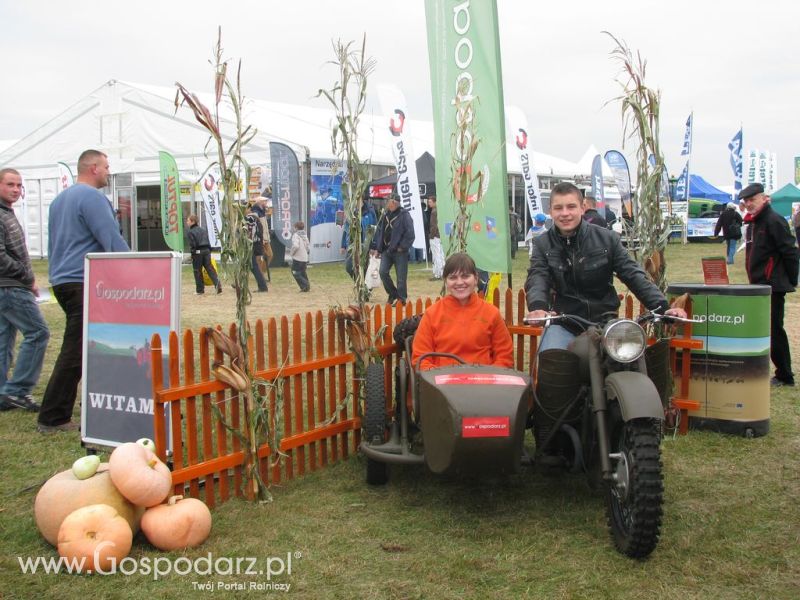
597,181
622,177
682,186
286,207
664,192
687,137
735,146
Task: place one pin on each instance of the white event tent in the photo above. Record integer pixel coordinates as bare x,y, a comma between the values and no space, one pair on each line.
132,122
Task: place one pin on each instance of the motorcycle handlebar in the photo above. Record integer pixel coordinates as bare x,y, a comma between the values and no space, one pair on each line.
648,316
656,317
562,317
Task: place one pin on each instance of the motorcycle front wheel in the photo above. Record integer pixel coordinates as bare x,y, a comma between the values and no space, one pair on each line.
635,496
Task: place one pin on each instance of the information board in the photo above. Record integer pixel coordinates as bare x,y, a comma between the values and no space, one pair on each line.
128,296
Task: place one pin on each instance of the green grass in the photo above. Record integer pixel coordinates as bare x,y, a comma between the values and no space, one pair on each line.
731,524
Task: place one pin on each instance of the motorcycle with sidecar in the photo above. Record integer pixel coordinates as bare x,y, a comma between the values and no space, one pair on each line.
594,409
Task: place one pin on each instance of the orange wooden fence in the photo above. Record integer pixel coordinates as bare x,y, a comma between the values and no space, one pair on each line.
312,392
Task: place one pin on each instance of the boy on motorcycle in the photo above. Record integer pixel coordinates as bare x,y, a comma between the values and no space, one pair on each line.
572,270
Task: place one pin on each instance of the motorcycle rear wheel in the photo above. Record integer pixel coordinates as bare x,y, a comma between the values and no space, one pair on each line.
634,500
375,422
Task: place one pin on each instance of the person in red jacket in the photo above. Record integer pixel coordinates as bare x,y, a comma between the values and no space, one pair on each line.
462,323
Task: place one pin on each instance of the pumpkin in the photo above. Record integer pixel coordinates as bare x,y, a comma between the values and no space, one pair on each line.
181,523
64,493
94,538
139,475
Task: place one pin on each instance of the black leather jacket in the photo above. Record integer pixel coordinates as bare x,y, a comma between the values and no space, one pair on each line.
198,239
771,254
576,275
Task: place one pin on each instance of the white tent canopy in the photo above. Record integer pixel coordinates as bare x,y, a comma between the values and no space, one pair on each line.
132,122
585,163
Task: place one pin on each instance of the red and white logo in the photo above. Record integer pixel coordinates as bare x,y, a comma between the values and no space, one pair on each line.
482,427
522,140
209,182
396,127
478,379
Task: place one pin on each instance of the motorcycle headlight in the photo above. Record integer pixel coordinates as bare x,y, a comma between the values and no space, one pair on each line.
624,340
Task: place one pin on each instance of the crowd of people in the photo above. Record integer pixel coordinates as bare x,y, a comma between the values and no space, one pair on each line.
574,256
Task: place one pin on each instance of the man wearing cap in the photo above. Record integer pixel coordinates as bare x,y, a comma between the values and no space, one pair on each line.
393,238
730,222
771,258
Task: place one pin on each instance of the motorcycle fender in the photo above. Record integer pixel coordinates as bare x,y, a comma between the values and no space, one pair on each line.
636,394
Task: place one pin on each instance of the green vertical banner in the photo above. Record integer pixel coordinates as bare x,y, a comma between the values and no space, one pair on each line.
797,170
464,45
171,213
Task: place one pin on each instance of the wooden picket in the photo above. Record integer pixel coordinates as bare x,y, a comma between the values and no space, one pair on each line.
310,384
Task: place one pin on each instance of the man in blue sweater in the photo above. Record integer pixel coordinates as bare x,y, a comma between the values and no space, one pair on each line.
81,221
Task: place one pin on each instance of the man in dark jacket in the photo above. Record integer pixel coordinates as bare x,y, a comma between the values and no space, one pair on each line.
771,258
730,222
393,238
200,248
590,214
572,270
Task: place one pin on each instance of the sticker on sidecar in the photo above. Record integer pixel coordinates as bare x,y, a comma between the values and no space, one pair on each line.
478,427
478,379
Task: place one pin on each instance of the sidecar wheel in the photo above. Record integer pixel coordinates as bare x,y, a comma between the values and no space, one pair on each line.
375,422
635,497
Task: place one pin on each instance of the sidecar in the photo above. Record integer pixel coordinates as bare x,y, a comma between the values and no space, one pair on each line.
468,419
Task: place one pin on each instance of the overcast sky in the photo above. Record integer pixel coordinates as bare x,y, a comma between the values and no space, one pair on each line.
730,62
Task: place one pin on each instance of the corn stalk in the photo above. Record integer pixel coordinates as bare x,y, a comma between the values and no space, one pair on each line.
348,97
640,114
467,185
237,249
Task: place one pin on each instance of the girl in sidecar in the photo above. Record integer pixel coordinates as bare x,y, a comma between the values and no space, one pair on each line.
468,401
461,323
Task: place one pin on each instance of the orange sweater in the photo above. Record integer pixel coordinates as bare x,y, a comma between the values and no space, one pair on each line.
476,332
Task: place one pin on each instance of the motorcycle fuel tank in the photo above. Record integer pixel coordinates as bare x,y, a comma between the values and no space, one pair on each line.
473,418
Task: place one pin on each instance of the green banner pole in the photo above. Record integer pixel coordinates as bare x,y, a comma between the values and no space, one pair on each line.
171,213
464,45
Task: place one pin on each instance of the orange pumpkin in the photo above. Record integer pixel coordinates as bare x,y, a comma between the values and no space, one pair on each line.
181,523
64,493
94,538
139,475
